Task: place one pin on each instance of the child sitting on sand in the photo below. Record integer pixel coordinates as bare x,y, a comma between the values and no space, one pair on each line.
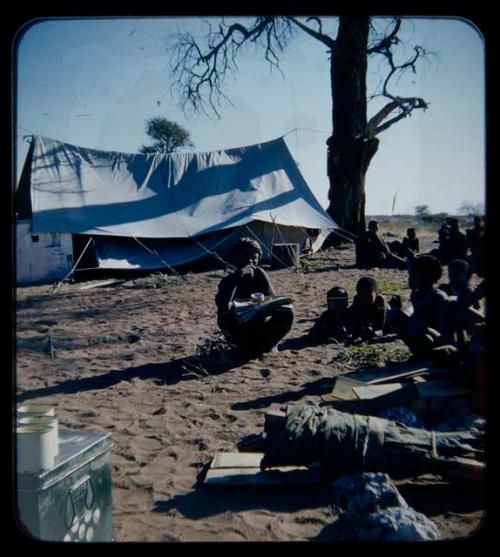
458,284
411,244
429,325
464,306
332,322
367,313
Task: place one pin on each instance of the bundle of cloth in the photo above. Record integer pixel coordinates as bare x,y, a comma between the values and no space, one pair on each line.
344,443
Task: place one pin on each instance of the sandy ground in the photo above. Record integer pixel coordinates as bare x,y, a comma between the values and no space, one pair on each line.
129,360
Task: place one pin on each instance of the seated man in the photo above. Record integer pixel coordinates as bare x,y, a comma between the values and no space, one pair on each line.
332,322
262,332
367,313
373,251
429,325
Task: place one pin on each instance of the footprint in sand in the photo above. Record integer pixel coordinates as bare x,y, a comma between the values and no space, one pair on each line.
214,416
142,449
89,414
202,446
131,500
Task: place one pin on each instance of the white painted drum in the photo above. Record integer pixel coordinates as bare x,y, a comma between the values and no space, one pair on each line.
48,421
37,409
40,410
35,448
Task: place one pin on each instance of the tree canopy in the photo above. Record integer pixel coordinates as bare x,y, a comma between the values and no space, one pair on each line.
166,136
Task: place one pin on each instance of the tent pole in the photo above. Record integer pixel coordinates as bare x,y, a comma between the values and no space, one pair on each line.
77,261
284,242
270,251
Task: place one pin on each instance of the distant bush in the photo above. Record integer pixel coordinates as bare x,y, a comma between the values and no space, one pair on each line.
422,211
435,218
469,209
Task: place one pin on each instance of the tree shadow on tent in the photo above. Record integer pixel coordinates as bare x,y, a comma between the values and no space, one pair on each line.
190,368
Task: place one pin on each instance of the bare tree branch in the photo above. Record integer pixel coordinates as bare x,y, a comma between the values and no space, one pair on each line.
388,40
318,21
201,73
389,123
379,117
320,36
406,105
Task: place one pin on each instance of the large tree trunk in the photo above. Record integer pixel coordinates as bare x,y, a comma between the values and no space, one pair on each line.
349,152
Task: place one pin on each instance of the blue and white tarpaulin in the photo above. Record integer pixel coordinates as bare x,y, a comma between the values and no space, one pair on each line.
178,196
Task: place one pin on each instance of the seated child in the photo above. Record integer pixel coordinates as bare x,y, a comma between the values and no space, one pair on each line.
367,313
464,305
457,242
429,324
459,282
476,241
262,332
441,253
409,247
452,242
332,322
411,244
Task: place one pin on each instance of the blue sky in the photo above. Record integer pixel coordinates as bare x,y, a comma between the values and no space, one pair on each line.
94,82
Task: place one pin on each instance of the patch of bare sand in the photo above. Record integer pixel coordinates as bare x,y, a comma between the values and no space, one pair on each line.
120,366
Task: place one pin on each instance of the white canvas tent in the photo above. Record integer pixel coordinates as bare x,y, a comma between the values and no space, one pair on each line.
149,211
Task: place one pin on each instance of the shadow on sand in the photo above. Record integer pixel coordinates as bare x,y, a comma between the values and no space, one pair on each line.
189,368
314,388
206,501
166,373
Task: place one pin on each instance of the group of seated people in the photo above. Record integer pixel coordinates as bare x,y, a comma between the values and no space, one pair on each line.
373,251
447,314
438,315
455,244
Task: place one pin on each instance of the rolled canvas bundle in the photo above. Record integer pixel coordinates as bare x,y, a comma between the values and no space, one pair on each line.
348,443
